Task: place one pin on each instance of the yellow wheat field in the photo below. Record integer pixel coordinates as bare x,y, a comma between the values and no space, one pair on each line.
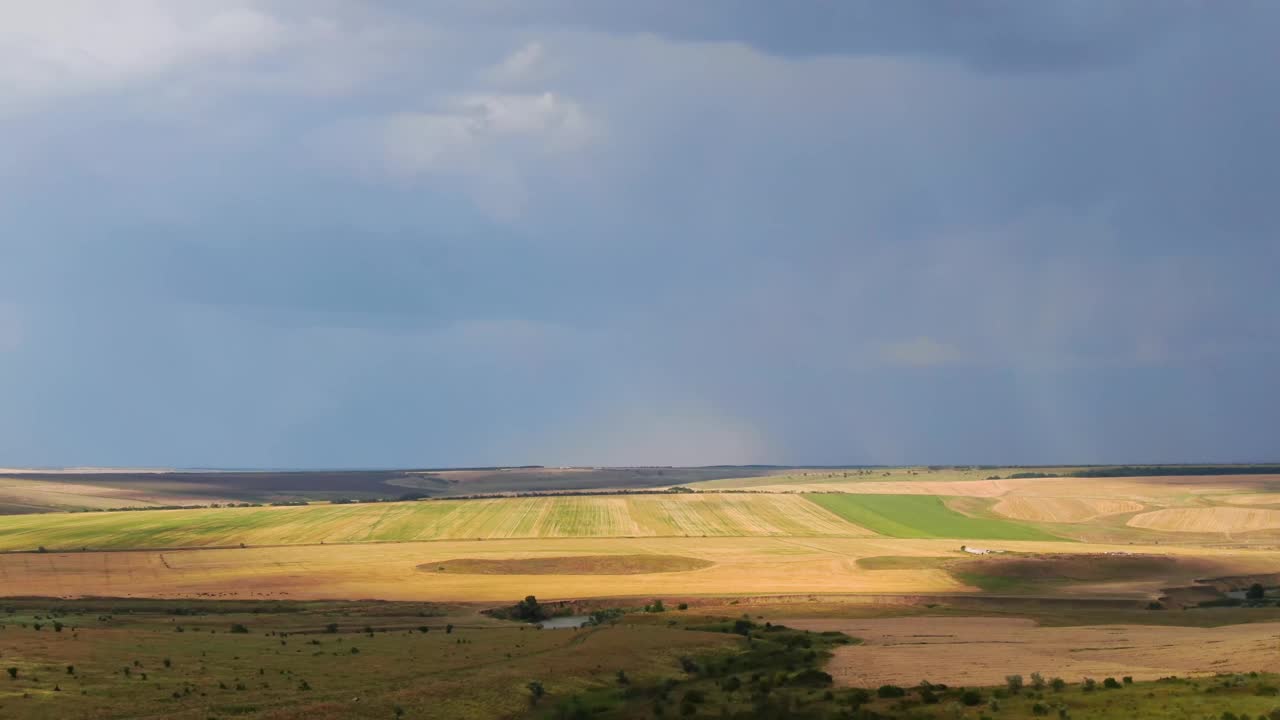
1063,509
1251,499
1208,519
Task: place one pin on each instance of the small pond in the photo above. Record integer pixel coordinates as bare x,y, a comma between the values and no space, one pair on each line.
568,621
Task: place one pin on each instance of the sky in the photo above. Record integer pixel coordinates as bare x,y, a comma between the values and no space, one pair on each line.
326,233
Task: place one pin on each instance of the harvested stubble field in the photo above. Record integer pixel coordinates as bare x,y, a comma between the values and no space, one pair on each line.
1063,509
972,484
985,650
44,495
1226,520
409,571
1251,499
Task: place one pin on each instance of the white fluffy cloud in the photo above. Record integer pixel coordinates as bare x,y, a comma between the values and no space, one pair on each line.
491,142
59,47
522,65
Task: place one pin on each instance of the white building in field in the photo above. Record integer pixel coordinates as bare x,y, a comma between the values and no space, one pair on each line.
979,551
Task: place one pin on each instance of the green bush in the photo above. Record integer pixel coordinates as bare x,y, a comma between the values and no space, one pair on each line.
890,691
810,677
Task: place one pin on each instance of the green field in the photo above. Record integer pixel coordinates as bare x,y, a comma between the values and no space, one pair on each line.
657,515
921,516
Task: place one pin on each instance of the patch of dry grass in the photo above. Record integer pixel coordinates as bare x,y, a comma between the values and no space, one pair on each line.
983,651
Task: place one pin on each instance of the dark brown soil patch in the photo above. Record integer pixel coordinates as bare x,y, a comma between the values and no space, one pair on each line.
1089,568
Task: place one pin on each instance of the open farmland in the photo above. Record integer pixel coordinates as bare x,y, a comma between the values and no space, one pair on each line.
1209,520
887,568
656,515
1251,499
1002,482
411,571
921,516
1063,509
985,650
51,490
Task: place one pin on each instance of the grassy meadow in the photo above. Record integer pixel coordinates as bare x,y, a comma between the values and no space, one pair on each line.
195,660
123,659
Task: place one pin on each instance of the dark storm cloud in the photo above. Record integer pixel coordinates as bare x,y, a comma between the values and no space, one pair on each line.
993,34
470,233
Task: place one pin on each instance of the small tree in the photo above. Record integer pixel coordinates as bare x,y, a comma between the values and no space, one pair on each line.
1037,682
239,629
331,628
1014,682
1111,683
529,609
1255,592
1090,684
13,673
448,629
1058,684
536,691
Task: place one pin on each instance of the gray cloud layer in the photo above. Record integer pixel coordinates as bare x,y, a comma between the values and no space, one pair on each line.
305,234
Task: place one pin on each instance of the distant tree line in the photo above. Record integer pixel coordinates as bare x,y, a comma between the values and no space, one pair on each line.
1179,470
1149,471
